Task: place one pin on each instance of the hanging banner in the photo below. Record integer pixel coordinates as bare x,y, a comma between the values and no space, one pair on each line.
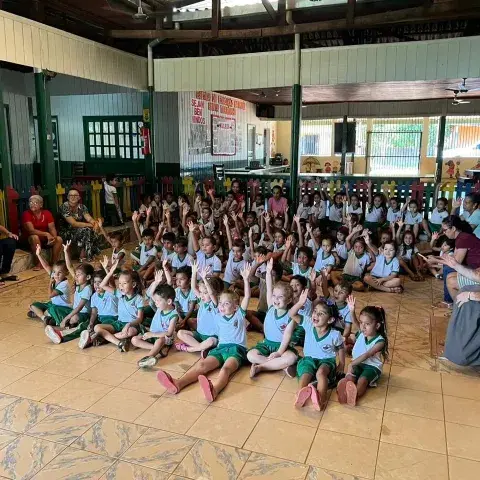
223,136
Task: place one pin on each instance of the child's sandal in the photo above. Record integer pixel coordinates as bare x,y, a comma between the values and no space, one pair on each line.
167,382
207,388
302,396
316,398
351,390
181,347
341,391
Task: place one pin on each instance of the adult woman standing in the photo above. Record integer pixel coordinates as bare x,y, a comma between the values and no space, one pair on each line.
78,226
7,251
38,228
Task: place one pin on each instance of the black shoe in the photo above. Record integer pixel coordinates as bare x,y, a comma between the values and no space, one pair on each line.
124,345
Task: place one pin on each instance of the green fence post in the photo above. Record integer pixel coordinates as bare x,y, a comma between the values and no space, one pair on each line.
6,177
150,167
45,139
441,142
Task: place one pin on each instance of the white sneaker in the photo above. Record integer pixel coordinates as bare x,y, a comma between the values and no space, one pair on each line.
147,362
54,335
84,339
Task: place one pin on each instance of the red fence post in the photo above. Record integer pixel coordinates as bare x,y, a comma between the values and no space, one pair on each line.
12,208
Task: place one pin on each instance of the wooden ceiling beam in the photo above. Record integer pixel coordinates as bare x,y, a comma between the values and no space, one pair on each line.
282,12
351,11
270,10
216,17
438,11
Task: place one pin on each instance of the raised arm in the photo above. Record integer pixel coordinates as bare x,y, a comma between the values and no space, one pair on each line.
193,280
348,240
102,231
400,224
298,306
204,273
301,238
229,233
135,217
193,237
456,204
42,261
288,248
166,271
68,262
371,246
285,221
157,280
269,282
267,224
369,186
245,273
105,285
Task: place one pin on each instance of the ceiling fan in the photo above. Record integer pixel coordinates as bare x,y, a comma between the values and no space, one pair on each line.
458,101
138,16
462,87
259,94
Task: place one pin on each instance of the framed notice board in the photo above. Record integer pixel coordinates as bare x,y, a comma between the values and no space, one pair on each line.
223,136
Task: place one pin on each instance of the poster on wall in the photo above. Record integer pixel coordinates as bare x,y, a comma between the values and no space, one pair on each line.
223,136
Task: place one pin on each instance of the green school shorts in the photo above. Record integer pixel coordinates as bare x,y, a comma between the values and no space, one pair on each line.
434,227
113,321
311,365
372,374
201,338
58,313
229,350
334,225
372,226
298,336
266,347
351,278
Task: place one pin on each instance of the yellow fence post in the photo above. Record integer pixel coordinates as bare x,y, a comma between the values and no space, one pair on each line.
127,197
60,191
228,184
96,189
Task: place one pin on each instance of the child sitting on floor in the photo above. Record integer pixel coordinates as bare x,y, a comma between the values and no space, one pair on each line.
370,346
230,353
162,328
268,355
322,349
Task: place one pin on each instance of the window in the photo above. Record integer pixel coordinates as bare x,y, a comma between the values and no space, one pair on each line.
316,137
113,138
462,137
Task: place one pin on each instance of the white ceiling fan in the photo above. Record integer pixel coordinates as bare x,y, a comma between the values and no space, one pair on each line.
458,101
462,87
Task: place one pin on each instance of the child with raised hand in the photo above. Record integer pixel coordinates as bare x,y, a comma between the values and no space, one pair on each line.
384,275
353,203
271,353
236,260
162,328
205,337
318,211
302,265
58,291
79,314
439,214
367,364
303,210
147,250
104,310
315,240
181,258
376,211
408,253
413,218
130,309
230,353
185,299
323,348
394,214
115,240
335,215
341,245
446,247
206,255
357,261
326,259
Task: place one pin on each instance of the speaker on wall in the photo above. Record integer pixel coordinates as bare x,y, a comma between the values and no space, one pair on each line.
351,132
265,111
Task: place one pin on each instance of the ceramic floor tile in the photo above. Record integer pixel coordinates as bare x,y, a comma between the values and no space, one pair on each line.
459,386
102,351
71,364
462,469
179,361
463,441
244,398
159,450
281,408
263,467
264,379
108,372
25,456
122,404
6,438
288,385
9,349
78,394
63,426
359,421
36,385
110,437
129,471
32,334
329,448
215,424
462,410
415,432
145,380
22,414
9,329
6,400
402,463
133,356
171,414
404,358
73,463
374,398
316,473
414,402
34,357
268,437
415,379
210,461
11,373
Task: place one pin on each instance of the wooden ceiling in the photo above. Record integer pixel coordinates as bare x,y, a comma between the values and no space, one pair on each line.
362,92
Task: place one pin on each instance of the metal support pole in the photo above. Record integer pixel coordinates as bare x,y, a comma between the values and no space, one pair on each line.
5,161
296,125
441,141
150,167
344,144
45,139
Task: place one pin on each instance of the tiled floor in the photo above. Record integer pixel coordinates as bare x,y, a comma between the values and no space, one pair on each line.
91,414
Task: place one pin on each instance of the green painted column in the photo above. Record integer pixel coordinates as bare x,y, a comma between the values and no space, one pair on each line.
295,142
150,166
45,143
5,161
441,142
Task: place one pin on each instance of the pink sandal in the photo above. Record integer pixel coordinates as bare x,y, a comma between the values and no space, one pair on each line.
341,391
207,388
181,347
302,396
351,389
316,400
167,382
